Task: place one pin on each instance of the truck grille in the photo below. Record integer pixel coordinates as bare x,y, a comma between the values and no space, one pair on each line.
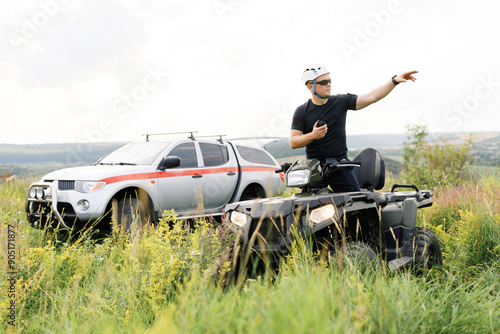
271,230
66,185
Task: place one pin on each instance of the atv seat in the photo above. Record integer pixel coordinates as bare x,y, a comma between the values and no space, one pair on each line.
371,173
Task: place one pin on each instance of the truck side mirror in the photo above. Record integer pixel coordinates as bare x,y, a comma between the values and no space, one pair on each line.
169,162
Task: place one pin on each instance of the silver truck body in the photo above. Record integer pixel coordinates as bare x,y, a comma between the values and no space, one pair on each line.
211,175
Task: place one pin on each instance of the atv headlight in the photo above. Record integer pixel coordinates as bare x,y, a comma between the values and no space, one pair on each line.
88,186
238,218
322,213
298,178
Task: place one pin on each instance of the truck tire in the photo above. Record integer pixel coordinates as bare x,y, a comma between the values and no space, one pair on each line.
427,251
253,191
131,216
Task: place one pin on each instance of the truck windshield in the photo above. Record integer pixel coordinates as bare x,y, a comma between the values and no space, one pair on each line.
134,154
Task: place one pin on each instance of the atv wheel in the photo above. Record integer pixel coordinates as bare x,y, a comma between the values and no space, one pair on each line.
427,252
359,250
228,266
361,254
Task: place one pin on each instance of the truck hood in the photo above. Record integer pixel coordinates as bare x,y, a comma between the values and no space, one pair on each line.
96,173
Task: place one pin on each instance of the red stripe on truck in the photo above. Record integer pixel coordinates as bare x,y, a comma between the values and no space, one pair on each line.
186,172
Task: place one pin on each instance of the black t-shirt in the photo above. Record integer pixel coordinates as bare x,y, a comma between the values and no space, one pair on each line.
334,112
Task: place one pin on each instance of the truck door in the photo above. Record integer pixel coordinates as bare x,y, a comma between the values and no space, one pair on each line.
180,188
221,174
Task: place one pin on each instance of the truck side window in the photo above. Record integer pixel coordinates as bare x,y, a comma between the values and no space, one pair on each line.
187,153
255,155
214,154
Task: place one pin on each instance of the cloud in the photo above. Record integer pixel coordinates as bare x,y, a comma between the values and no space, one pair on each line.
75,42
235,60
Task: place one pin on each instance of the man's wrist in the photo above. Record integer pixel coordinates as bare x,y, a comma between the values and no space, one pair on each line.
394,81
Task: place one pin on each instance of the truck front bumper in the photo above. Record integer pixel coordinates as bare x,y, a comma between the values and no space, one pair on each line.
46,204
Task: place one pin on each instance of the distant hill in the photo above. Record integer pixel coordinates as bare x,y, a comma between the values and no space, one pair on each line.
390,142
487,147
71,154
281,150
38,159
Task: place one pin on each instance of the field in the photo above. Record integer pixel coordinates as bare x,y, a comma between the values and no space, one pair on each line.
163,282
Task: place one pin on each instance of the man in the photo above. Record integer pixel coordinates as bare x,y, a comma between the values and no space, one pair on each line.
319,124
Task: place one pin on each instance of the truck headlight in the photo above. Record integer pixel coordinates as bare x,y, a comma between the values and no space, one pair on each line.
88,186
238,218
48,193
322,213
298,178
39,193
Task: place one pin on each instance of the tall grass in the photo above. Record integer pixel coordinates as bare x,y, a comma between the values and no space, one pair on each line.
163,281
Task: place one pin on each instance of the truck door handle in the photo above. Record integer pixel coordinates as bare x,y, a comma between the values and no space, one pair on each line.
231,173
196,176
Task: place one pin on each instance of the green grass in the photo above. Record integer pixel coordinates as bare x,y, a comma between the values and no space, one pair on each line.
164,282
486,171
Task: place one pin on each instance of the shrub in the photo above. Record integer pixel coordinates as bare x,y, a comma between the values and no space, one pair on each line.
430,165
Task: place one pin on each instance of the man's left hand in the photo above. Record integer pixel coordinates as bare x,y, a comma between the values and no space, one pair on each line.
406,76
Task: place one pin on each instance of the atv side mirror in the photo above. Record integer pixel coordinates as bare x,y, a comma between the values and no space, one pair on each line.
169,162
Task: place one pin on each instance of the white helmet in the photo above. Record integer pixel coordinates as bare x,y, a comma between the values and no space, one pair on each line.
313,71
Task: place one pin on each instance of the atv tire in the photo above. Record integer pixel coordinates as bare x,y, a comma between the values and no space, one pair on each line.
228,266
427,251
361,254
359,250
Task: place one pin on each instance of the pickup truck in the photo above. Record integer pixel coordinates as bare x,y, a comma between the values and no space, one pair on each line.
139,181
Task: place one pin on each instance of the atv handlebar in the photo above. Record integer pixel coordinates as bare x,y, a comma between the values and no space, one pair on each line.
344,163
329,165
332,164
286,166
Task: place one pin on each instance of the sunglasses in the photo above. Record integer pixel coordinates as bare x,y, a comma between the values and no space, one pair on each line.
324,82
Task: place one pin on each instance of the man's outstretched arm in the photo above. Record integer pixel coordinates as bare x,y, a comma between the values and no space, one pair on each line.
379,93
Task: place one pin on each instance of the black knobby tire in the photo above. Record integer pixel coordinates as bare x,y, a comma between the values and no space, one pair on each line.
247,196
362,256
227,266
359,251
132,216
427,250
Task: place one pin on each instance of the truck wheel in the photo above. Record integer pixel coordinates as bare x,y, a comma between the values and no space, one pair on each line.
253,192
427,252
131,215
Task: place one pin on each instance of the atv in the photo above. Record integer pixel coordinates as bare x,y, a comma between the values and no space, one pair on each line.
380,226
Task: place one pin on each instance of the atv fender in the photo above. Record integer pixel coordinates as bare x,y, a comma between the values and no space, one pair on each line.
400,214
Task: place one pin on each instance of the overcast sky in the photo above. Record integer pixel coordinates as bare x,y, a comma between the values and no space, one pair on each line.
109,70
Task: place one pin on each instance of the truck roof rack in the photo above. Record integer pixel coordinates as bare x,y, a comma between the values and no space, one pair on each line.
190,137
220,137
170,133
